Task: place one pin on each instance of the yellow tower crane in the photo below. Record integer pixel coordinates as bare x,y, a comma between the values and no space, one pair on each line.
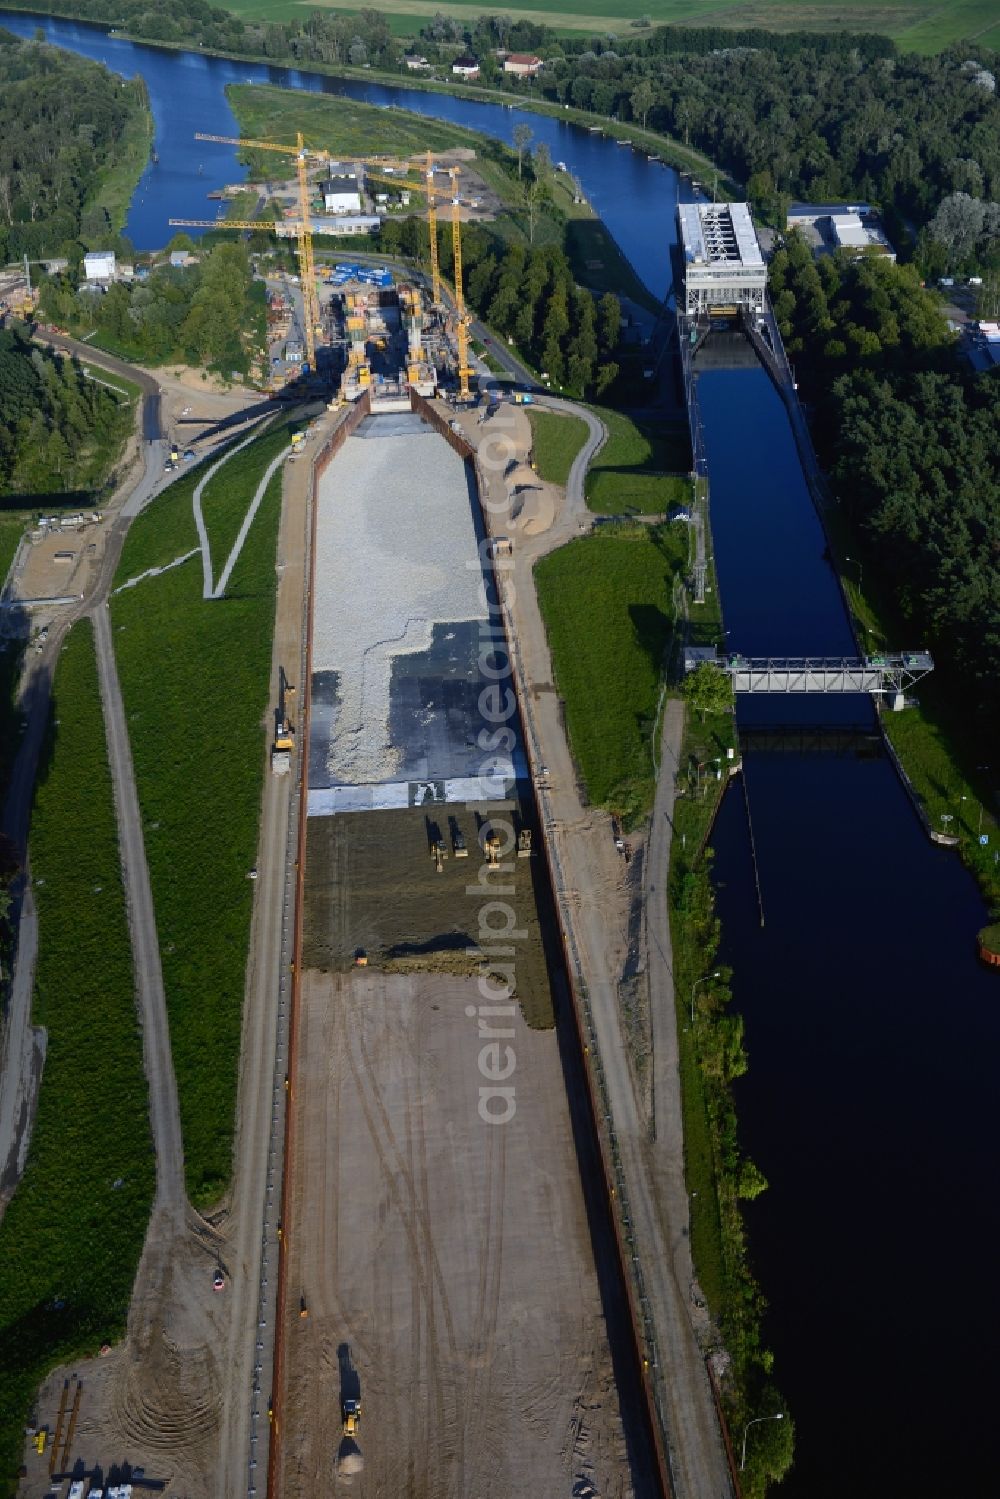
451,194
303,228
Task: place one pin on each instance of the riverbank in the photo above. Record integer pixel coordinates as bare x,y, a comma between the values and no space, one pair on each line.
115,187
672,152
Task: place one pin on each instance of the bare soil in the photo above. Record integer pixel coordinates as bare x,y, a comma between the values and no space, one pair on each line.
372,886
443,1263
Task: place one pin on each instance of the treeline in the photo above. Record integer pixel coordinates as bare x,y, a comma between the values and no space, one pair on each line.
211,313
59,431
527,293
63,122
912,439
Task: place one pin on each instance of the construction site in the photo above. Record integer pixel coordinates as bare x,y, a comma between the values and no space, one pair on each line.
353,330
443,1310
433,1280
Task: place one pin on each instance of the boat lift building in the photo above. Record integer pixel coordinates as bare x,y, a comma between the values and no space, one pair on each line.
724,270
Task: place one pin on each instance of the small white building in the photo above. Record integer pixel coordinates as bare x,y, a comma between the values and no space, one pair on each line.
99,265
465,67
522,64
342,192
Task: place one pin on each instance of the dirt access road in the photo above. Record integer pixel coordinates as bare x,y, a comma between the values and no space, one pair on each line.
445,1263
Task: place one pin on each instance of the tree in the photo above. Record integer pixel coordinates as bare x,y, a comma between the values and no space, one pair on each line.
642,100
609,314
709,689
522,138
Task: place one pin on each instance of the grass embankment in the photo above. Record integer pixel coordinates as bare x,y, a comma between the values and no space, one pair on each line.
607,604
113,192
72,1235
555,442
953,772
197,729
637,470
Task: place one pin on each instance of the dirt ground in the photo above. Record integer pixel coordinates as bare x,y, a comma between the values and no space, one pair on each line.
444,1262
186,392
372,885
154,1401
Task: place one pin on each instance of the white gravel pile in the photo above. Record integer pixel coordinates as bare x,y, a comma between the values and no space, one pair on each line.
395,554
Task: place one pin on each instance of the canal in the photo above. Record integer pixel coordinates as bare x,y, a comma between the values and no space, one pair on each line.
871,1027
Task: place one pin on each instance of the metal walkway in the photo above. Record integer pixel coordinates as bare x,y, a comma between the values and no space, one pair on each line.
891,673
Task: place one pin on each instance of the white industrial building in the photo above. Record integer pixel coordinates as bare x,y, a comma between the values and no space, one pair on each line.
724,270
99,265
339,224
855,227
342,192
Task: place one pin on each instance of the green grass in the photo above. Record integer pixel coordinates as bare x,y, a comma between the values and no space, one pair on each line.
72,1235
196,724
11,530
606,602
225,498
599,264
556,440
631,472
342,126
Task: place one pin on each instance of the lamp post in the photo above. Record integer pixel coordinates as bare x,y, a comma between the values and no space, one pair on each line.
703,980
756,1420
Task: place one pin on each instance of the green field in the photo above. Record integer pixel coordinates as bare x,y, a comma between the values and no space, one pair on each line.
556,440
607,604
71,1237
921,25
197,730
641,467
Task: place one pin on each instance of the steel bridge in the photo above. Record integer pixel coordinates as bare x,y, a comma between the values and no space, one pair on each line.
889,673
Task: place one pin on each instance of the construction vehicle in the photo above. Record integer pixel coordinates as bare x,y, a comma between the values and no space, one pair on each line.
524,849
351,1412
491,846
40,1440
284,731
439,853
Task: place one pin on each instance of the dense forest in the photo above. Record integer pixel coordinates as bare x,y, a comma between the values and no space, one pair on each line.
912,438
63,123
210,313
58,430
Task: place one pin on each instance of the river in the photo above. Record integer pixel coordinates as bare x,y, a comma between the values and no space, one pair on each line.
872,1028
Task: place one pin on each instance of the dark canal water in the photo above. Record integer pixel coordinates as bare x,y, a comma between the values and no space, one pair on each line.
873,1031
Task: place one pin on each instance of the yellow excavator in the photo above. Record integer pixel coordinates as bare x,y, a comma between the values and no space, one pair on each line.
351,1412
284,732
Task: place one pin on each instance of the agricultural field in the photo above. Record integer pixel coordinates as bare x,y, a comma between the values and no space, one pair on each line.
918,25
197,726
641,469
72,1235
607,604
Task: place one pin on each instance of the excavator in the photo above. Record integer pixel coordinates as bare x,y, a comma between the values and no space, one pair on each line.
284,732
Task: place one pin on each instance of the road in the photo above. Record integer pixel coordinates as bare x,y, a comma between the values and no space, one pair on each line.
251,1237
164,1110
589,893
